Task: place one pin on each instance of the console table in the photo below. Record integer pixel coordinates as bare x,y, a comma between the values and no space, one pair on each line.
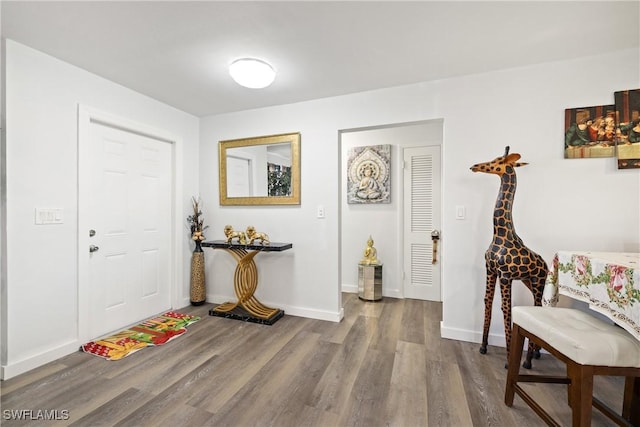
245,282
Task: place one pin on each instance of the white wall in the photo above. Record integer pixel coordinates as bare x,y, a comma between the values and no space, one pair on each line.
40,306
560,204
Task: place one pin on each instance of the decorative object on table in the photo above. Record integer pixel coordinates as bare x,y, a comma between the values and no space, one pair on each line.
198,292
627,104
156,331
370,254
370,274
508,258
230,234
589,132
369,174
252,235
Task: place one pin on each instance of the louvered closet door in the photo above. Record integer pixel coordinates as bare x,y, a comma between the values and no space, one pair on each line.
421,217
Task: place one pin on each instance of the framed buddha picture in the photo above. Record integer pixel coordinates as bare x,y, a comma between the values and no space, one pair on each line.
369,174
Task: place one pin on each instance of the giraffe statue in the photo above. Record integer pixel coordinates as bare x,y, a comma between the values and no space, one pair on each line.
508,258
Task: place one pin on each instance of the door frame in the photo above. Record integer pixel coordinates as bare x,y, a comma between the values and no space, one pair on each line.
87,116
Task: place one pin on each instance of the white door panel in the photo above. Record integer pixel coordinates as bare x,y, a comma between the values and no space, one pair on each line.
239,177
130,210
421,217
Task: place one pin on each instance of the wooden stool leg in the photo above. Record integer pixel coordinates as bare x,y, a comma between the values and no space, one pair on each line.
581,393
515,355
631,412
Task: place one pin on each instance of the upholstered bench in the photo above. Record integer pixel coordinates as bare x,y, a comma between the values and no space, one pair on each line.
587,345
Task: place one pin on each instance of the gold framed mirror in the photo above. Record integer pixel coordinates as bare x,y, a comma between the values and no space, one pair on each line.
263,170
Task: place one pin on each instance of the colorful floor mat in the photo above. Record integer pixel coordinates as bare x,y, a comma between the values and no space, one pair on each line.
156,331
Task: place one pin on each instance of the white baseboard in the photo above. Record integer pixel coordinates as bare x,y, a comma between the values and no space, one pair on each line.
314,314
497,340
185,302
289,309
391,293
350,289
13,369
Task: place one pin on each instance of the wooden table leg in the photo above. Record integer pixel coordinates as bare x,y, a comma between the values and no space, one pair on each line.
245,282
631,403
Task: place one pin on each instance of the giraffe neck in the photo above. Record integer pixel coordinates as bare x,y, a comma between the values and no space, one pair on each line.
502,219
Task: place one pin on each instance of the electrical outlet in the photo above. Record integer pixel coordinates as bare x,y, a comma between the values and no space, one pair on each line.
320,213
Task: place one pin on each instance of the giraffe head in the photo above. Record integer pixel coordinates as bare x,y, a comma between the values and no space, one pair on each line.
498,166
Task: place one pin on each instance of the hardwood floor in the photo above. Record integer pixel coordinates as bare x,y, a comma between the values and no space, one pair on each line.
383,365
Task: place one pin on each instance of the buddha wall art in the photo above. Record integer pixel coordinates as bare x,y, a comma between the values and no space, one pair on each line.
369,174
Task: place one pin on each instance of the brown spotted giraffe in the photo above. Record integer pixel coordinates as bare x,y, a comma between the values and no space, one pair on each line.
508,258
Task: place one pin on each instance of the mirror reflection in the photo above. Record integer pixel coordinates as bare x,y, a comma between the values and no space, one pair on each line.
261,170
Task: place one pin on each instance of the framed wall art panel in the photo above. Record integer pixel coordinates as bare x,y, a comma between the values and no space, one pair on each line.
589,132
627,103
369,174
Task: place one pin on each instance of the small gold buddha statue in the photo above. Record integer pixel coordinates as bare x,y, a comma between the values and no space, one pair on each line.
370,254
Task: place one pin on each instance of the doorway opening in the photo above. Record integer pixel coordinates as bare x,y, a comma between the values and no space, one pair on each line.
384,222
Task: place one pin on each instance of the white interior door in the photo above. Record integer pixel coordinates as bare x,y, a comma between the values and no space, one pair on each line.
421,218
129,208
239,177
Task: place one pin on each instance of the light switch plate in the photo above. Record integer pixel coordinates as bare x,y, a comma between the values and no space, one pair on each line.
49,216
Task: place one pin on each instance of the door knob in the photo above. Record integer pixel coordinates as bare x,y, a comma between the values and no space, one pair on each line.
93,248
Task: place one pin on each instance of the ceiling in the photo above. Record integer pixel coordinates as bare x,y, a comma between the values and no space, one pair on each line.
178,51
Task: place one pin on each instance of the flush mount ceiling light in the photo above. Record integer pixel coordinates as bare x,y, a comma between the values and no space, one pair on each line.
252,73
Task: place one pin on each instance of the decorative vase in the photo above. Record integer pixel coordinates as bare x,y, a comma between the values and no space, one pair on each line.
198,287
